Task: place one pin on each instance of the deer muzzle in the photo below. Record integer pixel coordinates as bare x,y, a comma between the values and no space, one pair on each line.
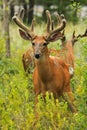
37,56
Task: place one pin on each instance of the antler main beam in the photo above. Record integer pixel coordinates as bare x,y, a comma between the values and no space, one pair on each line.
18,20
48,21
20,24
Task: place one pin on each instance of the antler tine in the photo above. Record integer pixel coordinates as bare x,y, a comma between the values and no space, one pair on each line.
21,14
52,27
48,20
63,32
73,34
32,24
63,35
85,34
18,21
63,38
58,18
74,38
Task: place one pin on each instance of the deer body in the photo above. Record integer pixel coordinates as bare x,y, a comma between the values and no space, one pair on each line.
67,53
50,74
69,56
28,60
50,80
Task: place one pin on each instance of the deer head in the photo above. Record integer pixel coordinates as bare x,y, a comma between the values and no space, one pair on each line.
39,43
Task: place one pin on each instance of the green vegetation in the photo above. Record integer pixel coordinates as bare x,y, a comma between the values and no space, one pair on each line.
16,89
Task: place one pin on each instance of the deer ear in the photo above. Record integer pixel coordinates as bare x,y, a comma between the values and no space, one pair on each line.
54,37
24,35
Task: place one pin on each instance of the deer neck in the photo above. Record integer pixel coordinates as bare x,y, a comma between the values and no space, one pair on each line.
43,66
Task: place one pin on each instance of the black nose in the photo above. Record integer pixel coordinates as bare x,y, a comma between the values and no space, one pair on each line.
37,56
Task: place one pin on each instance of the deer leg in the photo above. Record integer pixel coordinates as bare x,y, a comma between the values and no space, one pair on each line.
68,96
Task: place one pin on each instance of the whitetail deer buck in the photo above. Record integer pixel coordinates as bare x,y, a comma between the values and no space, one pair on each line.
28,57
50,73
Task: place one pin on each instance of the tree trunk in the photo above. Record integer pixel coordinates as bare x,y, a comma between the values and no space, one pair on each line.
11,10
6,26
25,14
30,11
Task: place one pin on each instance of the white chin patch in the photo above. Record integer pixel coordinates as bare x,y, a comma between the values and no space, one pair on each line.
71,70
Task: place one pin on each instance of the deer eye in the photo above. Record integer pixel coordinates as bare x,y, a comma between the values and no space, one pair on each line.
44,44
33,44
